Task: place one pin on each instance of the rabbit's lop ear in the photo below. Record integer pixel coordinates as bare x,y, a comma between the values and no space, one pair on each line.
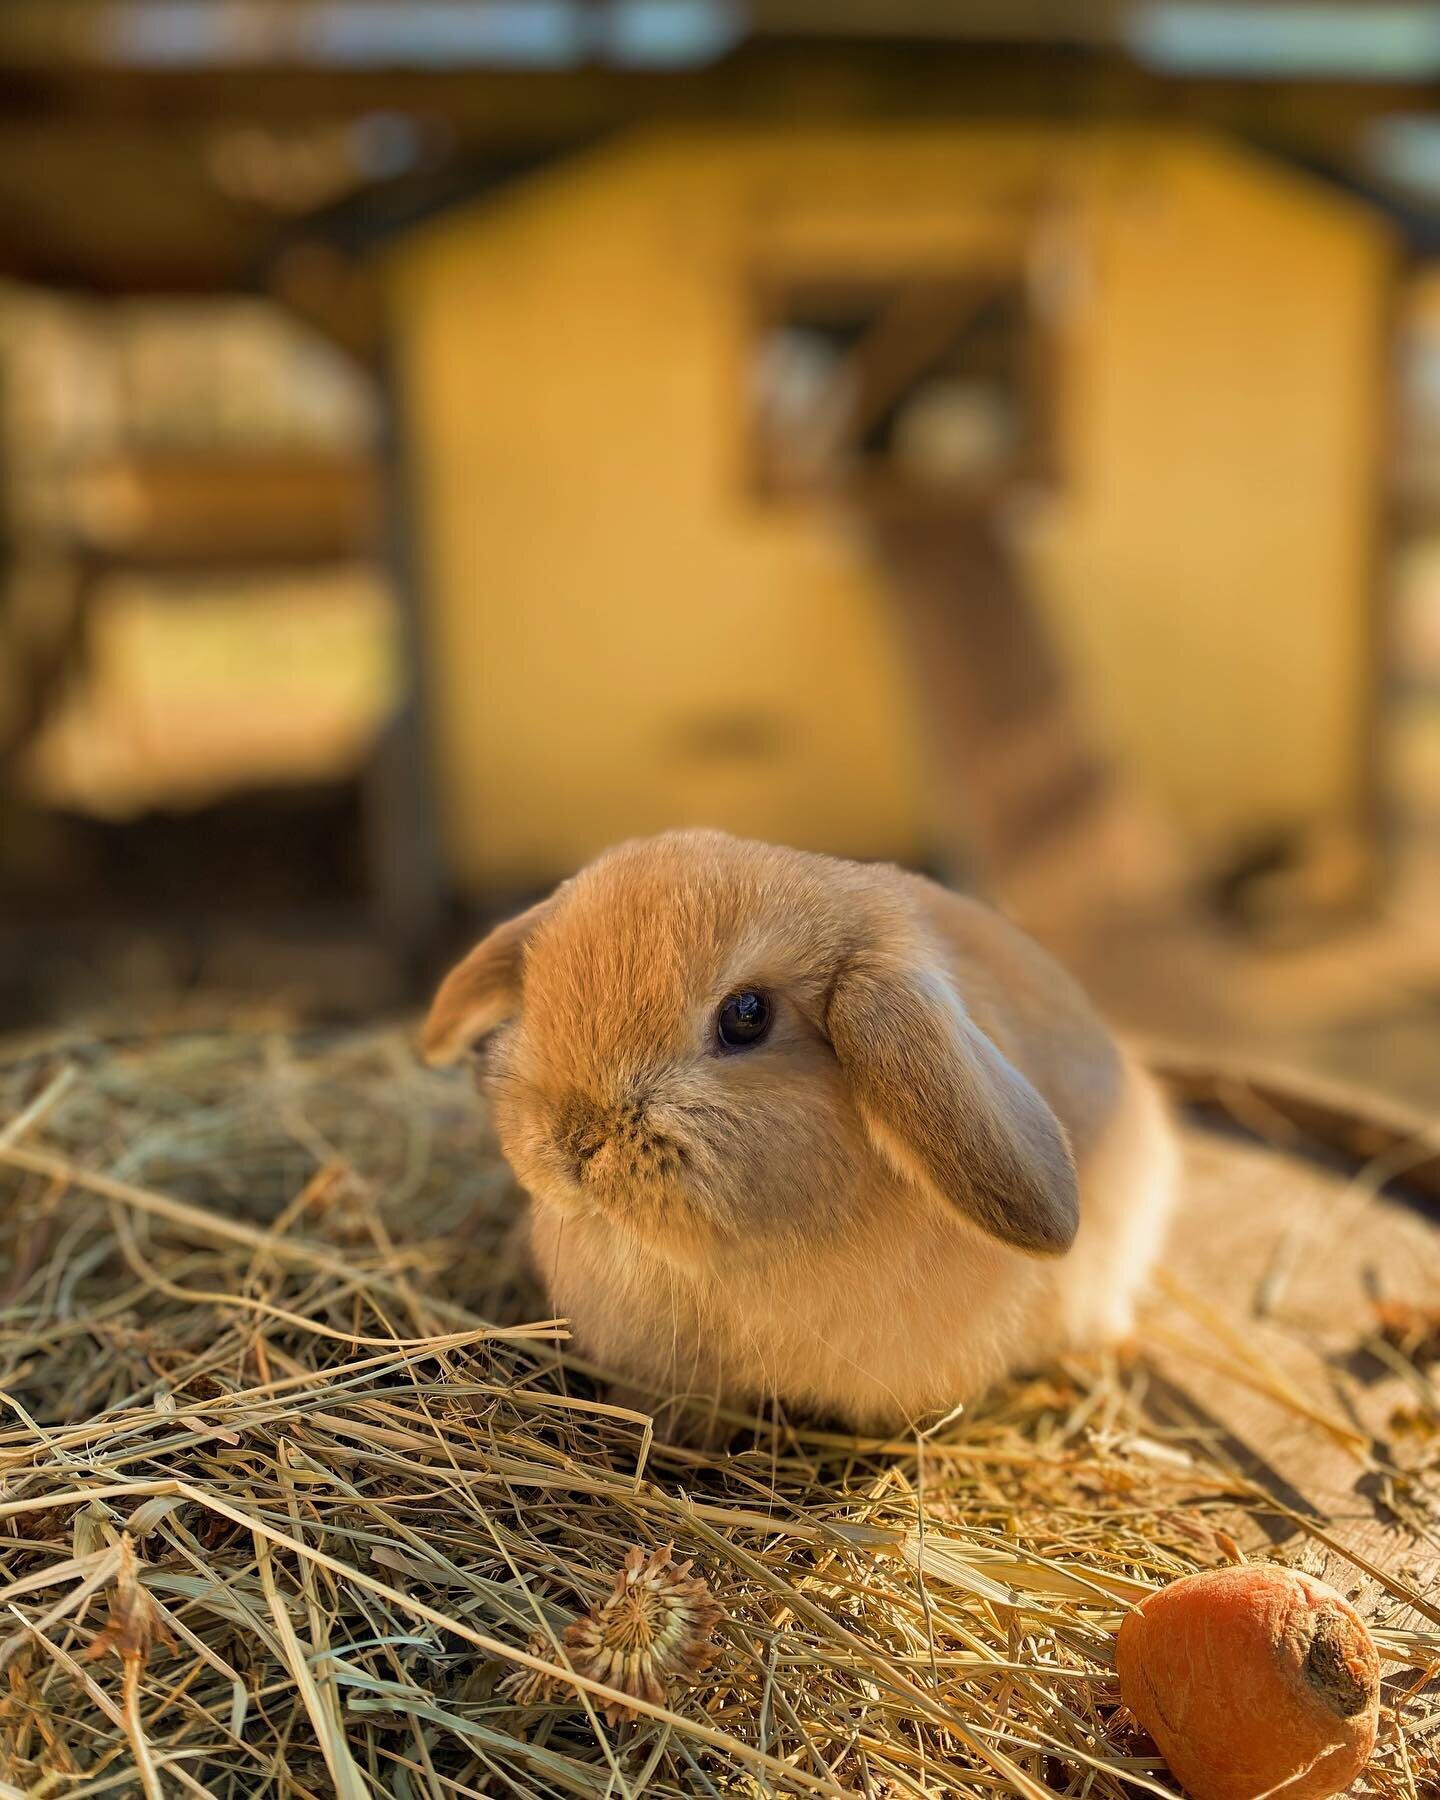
944,1106
480,992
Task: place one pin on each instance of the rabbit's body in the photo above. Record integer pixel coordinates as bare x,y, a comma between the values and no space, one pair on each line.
933,1165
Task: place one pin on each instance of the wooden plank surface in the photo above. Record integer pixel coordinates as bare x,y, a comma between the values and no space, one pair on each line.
1264,1333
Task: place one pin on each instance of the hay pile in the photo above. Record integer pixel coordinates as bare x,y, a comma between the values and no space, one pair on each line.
280,1513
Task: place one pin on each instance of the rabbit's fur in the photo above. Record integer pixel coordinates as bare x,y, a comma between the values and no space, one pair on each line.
936,1166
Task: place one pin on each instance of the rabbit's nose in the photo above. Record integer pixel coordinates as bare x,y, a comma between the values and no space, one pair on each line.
581,1130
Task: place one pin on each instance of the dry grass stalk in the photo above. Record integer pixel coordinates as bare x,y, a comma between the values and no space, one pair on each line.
348,1538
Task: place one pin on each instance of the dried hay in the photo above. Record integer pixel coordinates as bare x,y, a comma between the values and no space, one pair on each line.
281,1514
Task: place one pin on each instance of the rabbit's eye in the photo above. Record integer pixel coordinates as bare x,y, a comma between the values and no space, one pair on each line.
743,1019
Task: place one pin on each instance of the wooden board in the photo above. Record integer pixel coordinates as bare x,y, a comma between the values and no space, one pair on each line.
1264,1334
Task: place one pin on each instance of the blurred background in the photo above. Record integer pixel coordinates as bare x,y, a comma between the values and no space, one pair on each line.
439,438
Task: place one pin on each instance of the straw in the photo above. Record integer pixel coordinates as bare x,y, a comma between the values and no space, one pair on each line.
296,1469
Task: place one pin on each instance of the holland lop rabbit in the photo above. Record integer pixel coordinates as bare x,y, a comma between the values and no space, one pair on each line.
809,1129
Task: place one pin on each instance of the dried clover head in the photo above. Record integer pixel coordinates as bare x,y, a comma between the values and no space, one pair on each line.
653,1631
528,1687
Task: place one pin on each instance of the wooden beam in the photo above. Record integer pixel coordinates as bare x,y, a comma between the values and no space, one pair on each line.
912,332
105,178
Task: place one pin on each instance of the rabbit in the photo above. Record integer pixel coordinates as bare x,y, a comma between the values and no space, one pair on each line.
808,1130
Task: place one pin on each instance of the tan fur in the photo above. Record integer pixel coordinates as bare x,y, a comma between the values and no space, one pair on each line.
937,1166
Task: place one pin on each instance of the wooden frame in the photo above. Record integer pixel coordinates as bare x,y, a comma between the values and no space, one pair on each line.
918,316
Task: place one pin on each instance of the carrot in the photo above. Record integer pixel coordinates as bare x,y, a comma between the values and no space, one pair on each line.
1252,1680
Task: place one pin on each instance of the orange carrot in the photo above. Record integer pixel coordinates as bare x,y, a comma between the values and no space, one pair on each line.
1253,1680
